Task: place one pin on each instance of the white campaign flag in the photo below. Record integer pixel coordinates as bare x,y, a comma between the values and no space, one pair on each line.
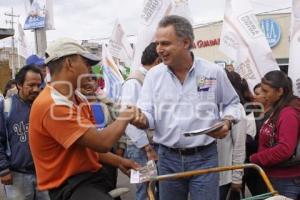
153,11
118,45
181,7
294,60
111,75
243,41
22,44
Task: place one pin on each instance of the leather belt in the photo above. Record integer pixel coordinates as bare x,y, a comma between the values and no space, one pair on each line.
189,151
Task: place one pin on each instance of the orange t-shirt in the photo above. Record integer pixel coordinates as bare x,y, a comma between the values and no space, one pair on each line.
55,124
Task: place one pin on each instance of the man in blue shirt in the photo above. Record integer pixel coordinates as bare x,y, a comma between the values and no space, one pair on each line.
17,171
184,94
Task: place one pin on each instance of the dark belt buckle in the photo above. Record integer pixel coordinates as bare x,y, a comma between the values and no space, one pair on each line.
187,151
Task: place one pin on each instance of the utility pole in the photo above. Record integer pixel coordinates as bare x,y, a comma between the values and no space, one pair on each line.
12,15
40,39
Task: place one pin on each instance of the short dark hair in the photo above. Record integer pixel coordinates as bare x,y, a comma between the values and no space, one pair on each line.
20,76
236,81
55,66
149,54
182,26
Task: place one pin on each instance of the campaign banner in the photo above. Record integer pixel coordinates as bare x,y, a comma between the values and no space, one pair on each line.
181,8
243,41
36,16
22,44
153,11
111,75
294,60
118,44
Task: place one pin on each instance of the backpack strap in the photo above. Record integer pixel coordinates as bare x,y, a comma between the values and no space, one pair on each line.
7,103
137,75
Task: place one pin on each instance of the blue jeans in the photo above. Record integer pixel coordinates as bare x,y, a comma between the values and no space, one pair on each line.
139,156
24,188
288,187
204,187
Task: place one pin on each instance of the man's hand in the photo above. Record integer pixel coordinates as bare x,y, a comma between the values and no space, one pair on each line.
221,133
140,121
127,164
151,154
134,115
130,113
7,179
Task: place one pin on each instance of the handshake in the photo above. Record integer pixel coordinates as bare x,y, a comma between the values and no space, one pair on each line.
133,115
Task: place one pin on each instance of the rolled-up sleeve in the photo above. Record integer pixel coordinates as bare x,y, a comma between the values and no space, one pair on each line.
145,101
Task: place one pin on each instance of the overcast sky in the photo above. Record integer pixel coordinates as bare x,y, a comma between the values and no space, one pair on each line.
94,19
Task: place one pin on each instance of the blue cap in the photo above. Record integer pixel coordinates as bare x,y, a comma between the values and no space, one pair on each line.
35,60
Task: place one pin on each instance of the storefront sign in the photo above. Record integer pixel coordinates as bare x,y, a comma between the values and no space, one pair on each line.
272,31
207,43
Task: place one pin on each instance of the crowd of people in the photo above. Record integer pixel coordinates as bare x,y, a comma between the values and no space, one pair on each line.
62,140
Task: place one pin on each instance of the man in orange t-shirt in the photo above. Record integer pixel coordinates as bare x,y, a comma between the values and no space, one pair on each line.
62,136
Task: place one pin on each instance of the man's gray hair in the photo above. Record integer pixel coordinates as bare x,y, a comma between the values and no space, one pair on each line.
182,26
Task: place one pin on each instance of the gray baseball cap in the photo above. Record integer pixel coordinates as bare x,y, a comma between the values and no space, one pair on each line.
67,46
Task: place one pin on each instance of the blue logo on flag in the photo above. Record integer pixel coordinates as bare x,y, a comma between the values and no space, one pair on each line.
272,31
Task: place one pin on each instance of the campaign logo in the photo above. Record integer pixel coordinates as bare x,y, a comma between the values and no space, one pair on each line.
205,83
272,31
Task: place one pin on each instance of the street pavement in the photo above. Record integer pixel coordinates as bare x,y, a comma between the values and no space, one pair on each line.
123,181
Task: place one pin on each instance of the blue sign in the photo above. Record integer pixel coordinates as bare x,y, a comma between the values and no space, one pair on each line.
34,22
272,31
37,15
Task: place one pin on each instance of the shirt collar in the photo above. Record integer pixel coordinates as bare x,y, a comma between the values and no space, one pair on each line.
79,96
194,63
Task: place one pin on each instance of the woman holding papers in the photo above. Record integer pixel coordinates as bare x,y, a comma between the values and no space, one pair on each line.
279,135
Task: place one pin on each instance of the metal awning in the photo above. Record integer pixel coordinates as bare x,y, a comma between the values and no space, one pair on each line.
4,33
